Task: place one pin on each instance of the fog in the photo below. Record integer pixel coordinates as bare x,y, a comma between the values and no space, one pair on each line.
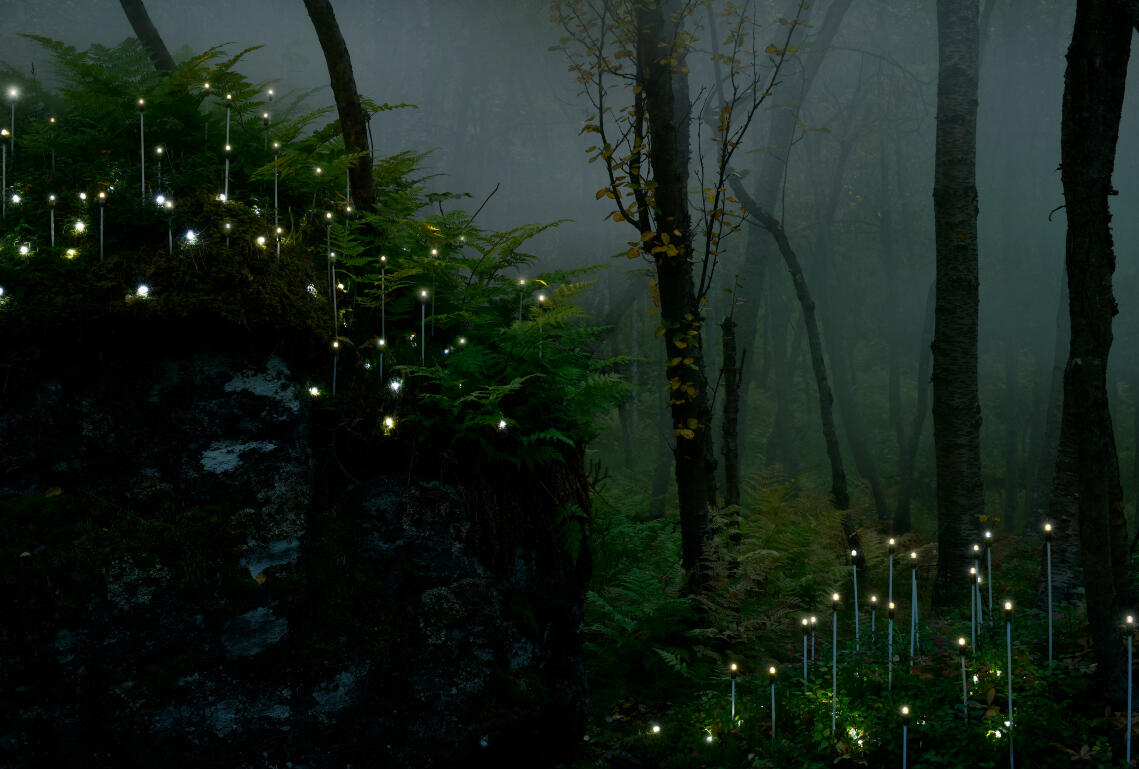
496,108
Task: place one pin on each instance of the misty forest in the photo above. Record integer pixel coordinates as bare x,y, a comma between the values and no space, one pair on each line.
570,383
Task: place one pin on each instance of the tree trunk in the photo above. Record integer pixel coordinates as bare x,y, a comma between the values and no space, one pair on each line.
148,35
1050,438
903,518
664,83
353,125
956,407
1012,457
729,443
839,494
1093,98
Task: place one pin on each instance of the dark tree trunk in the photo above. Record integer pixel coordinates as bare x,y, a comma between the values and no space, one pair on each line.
148,35
1093,99
729,443
956,407
903,518
353,124
1012,426
1050,438
839,494
665,87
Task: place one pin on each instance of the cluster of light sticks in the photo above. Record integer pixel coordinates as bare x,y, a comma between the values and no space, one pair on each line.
191,238
809,625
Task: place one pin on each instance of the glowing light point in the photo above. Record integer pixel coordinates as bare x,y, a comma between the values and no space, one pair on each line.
71,253
435,252
462,341
853,553
221,197
389,425
656,729
169,205
261,240
24,249
340,287
80,227
318,170
191,236
311,289
13,92
381,343
15,199
143,291
314,391
710,738
160,200
395,385
83,196
502,425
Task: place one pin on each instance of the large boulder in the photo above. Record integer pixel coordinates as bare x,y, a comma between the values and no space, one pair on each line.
189,582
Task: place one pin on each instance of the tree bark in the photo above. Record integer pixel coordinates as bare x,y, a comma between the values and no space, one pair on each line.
353,125
664,83
839,494
729,443
903,517
147,34
1093,99
956,407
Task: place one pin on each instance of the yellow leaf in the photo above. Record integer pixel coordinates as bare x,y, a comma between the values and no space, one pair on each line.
659,332
680,343
693,423
680,433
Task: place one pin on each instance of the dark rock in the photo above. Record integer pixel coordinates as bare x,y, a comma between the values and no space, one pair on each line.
189,583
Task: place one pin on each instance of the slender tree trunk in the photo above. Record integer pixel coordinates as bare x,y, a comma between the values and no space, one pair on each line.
903,518
353,125
839,494
1050,438
956,407
148,35
1093,99
729,443
1012,457
664,82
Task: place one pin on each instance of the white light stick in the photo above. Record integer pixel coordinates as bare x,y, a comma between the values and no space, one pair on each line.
1130,624
814,624
890,590
158,153
804,651
834,661
964,684
873,621
268,119
854,572
52,122
771,675
142,147
383,310
225,193
989,567
905,730
914,603
169,205
12,94
102,205
335,318
973,606
890,651
276,208
51,217
1008,646
423,295
733,676
977,581
4,136
1048,557
521,293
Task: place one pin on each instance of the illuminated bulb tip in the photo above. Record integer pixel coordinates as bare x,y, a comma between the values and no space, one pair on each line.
169,204
265,115
82,195
71,253
1048,527
260,240
229,97
435,252
143,290
913,556
160,200
804,621
961,641
988,534
327,215
972,569
279,230
709,738
1130,620
873,599
51,198
336,345
15,198
276,145
80,226
771,670
502,424
314,391
462,340
102,196
853,553
24,250
735,666
1008,605
905,710
834,597
318,169
891,605
656,728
